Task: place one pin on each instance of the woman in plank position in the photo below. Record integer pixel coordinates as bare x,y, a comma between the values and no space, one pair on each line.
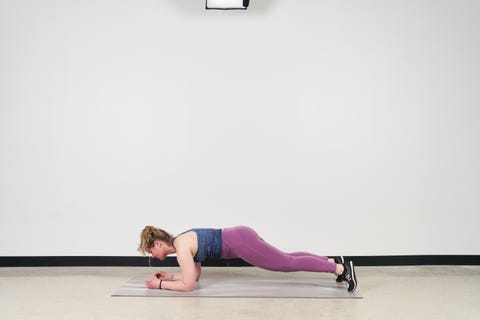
195,245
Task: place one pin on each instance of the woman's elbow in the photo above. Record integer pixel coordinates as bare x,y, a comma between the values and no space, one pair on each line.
189,286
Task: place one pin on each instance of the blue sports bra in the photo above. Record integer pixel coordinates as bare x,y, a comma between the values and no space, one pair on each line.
209,243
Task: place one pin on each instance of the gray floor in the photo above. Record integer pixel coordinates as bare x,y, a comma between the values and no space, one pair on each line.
388,293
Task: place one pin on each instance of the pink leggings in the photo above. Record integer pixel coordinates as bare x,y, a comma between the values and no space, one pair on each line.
243,242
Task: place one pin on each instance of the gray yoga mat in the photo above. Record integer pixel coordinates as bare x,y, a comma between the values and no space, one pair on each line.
245,286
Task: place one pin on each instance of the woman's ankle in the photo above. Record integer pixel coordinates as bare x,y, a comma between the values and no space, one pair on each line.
339,269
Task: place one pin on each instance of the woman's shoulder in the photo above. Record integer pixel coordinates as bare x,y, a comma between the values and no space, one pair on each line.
186,241
187,236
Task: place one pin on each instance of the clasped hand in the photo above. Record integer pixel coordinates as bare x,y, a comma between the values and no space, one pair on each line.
154,282
162,275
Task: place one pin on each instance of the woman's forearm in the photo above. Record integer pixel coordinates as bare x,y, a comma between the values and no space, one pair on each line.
178,285
177,276
174,276
174,281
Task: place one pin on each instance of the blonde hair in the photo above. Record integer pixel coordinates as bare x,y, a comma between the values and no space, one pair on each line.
148,236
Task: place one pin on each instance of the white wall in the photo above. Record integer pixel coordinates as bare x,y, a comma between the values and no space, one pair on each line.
331,126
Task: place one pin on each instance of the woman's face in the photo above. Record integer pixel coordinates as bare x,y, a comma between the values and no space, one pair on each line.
159,250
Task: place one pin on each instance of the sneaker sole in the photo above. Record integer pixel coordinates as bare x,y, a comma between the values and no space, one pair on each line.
354,277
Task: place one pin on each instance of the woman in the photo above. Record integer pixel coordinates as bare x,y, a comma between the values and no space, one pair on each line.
195,245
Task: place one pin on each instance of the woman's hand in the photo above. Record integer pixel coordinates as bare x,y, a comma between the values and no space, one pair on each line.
153,283
162,275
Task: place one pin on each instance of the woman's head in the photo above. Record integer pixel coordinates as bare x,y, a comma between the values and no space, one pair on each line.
149,235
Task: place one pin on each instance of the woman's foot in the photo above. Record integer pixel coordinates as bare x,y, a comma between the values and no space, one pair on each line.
339,260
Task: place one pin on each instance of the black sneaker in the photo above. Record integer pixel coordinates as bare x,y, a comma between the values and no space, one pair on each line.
339,260
349,276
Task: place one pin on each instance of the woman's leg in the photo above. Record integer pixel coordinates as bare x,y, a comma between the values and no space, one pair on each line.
244,242
306,254
310,254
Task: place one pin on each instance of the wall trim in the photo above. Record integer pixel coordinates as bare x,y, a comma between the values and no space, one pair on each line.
132,261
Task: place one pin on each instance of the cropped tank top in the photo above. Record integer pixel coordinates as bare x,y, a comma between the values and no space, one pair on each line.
209,243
